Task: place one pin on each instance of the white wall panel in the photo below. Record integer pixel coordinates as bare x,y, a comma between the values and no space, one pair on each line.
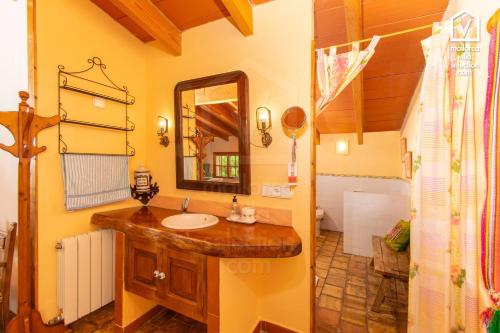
14,77
330,194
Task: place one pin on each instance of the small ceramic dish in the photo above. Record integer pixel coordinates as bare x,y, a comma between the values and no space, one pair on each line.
240,219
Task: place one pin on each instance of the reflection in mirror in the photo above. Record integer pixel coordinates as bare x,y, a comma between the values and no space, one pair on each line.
210,133
213,153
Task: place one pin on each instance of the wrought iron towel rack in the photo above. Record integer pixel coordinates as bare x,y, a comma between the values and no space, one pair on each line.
96,64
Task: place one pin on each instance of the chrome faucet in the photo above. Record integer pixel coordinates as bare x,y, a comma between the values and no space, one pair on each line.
185,204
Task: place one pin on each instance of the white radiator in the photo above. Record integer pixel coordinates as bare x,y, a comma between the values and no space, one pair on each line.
85,273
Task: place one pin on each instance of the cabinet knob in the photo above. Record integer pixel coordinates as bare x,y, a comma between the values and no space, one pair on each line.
161,276
156,273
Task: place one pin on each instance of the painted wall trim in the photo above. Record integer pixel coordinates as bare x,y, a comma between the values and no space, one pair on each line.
361,176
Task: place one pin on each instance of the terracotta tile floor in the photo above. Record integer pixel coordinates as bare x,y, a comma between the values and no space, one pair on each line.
101,321
344,295
346,291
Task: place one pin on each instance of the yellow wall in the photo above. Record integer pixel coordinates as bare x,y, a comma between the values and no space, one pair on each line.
379,155
484,10
70,32
277,61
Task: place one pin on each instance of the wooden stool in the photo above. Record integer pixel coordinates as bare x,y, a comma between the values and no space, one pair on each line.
394,268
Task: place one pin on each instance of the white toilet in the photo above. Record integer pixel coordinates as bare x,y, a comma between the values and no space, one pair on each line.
320,213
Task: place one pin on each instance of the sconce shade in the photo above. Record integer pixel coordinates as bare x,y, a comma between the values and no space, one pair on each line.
263,118
162,125
162,131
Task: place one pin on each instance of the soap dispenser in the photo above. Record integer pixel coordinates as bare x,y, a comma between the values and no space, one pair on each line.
235,208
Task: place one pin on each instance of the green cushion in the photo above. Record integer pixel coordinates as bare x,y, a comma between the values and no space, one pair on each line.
399,237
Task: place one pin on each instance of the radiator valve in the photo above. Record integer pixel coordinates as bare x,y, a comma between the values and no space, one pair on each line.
56,320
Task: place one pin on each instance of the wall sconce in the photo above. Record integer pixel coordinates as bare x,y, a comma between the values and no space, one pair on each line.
264,125
342,147
163,130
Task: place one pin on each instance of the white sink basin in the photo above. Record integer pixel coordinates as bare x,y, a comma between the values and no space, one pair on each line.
190,221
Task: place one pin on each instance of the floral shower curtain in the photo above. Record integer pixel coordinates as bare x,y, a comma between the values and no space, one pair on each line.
490,220
444,277
336,71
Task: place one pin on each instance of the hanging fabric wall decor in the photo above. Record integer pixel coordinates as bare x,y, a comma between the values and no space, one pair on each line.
490,222
336,71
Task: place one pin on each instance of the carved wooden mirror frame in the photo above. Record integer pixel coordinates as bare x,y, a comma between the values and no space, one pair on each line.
243,187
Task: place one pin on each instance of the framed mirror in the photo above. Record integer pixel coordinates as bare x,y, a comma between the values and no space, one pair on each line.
212,134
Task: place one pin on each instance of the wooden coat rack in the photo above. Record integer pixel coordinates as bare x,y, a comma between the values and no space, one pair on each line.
24,126
201,141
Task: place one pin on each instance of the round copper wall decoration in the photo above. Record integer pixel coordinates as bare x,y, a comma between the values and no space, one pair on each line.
293,120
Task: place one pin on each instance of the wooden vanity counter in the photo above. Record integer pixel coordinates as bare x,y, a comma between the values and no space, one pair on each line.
225,239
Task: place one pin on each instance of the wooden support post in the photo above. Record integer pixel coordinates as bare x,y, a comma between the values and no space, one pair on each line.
201,141
24,126
317,137
312,204
354,28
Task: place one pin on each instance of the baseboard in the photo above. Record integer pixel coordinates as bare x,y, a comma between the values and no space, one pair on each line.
271,328
134,326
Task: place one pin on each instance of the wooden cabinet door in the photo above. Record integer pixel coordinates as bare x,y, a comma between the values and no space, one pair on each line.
185,284
143,263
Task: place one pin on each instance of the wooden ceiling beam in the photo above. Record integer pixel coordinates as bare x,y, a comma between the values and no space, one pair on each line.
216,122
241,15
354,28
230,111
207,130
209,123
219,114
146,15
234,106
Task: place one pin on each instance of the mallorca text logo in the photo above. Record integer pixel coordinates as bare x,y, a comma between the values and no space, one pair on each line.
465,27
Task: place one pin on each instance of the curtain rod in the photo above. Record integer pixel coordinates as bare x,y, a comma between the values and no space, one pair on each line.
382,36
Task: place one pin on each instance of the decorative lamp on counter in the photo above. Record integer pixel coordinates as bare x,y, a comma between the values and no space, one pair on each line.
143,190
264,125
163,130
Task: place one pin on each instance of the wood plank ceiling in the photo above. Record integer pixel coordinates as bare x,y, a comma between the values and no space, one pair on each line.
164,20
391,76
216,110
219,120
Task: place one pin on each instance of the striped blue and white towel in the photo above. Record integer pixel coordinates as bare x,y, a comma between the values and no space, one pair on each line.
94,180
